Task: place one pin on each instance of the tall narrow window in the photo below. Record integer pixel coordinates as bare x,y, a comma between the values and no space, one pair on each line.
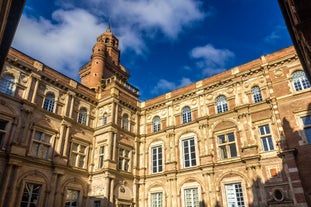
221,104
157,159
157,199
7,84
31,195
191,197
189,152
257,97
234,194
227,146
124,160
306,121
72,198
186,115
41,145
78,155
105,117
3,125
125,122
82,116
266,138
156,123
300,80
49,102
101,152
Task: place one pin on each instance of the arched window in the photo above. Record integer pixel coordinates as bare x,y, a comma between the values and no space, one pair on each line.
7,85
49,102
257,97
156,123
221,104
105,116
125,122
300,80
186,115
82,116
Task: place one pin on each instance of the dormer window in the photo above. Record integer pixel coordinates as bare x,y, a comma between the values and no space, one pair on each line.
107,40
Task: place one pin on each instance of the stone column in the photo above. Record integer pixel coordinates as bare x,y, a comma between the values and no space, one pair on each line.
4,183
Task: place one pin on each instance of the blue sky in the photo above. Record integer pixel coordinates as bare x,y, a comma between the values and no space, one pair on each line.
165,44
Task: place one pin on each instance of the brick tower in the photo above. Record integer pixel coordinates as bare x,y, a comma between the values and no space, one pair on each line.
104,63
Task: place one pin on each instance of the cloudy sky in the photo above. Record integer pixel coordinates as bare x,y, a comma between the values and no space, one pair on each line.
165,44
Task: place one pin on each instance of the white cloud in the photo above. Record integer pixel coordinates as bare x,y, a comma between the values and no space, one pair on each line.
148,16
210,59
165,85
276,35
63,43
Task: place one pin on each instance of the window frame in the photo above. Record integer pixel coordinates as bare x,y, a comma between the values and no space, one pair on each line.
101,156
300,82
3,131
41,144
236,193
227,145
71,201
188,186
7,84
221,104
305,127
105,119
125,122
124,159
49,102
83,116
256,94
183,156
266,138
186,114
159,162
156,124
38,198
78,155
158,202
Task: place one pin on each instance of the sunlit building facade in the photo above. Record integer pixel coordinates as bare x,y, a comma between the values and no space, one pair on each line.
239,138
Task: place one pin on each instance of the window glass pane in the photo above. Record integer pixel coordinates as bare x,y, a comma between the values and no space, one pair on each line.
231,137
306,120
233,152
31,195
234,194
7,84
308,134
221,139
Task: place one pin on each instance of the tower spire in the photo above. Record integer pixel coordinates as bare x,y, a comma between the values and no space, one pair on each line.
109,28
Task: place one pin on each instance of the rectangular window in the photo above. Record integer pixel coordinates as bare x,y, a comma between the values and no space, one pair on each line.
189,152
41,145
2,131
227,146
234,194
96,203
266,138
156,154
157,199
78,155
191,197
101,156
306,121
72,198
31,195
124,160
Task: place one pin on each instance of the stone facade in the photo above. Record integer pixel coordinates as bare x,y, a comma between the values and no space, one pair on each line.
239,138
